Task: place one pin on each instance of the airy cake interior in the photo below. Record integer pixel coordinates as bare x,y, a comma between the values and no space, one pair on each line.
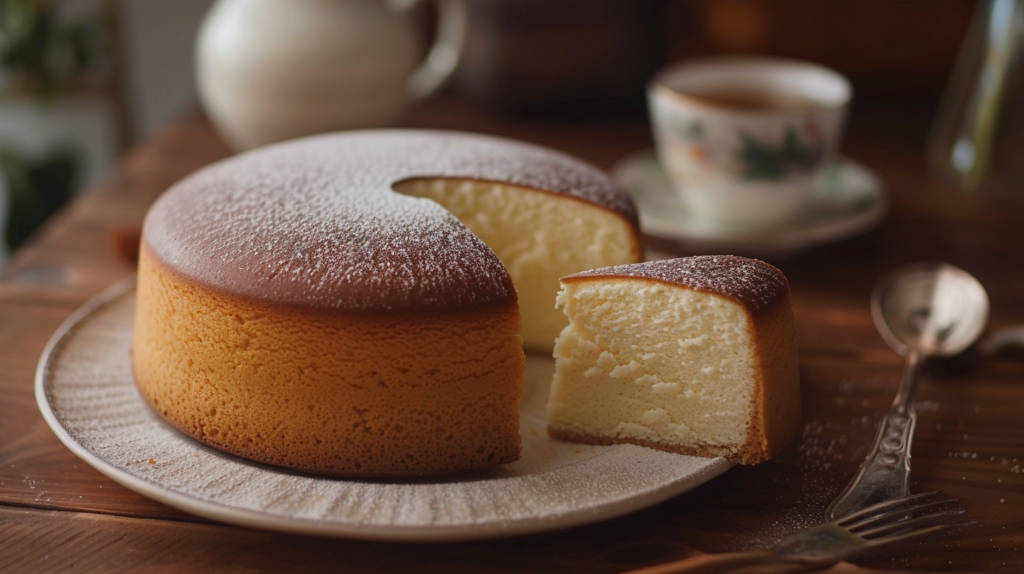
650,363
538,236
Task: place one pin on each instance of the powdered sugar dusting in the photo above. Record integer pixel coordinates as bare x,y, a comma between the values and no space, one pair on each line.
755,284
315,221
95,408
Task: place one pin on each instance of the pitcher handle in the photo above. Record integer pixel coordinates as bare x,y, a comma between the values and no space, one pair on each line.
444,55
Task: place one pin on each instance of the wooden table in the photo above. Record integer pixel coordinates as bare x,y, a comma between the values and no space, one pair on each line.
58,513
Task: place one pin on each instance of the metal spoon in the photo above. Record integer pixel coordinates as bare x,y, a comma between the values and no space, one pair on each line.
921,310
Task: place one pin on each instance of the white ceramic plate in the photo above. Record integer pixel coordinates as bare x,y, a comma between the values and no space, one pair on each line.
849,200
85,391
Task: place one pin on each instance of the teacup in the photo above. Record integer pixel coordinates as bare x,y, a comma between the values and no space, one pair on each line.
743,139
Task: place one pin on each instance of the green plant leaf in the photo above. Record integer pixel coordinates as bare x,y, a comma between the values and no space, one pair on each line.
36,188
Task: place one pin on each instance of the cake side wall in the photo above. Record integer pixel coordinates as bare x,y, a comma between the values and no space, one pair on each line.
778,400
339,393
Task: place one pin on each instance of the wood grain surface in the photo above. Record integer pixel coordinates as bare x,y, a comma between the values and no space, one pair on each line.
57,513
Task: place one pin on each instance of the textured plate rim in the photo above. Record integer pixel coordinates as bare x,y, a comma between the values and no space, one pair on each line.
394,533
778,239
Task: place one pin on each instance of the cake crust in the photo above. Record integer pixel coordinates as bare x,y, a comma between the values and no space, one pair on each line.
756,285
706,451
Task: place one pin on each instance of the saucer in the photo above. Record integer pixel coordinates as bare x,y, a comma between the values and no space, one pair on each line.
848,200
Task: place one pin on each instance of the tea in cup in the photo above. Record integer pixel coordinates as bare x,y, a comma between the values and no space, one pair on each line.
743,139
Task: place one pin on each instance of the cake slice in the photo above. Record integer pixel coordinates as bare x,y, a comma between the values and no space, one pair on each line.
695,355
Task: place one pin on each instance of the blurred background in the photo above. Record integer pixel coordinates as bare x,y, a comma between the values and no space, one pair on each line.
82,80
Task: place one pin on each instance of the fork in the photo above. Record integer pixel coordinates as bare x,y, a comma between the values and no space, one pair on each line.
826,544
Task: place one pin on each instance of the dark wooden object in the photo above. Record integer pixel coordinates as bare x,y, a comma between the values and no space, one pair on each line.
57,513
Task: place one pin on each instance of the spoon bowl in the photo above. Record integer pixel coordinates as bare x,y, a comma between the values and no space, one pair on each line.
932,309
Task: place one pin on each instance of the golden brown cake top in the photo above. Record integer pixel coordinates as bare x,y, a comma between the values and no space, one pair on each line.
750,282
315,223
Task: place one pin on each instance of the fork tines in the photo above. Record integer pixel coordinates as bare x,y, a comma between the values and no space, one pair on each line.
898,518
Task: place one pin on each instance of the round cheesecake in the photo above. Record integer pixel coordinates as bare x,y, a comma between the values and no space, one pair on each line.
357,304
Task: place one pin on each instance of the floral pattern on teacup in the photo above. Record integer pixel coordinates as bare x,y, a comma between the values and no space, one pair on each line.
800,151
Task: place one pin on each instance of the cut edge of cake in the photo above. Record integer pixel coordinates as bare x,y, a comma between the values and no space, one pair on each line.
762,293
527,229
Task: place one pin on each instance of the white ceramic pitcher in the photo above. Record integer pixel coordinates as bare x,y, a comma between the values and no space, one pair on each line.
270,70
